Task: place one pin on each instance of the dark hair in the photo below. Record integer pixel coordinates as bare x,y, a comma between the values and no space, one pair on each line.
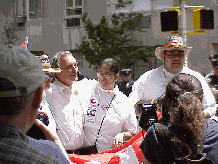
113,65
183,101
12,106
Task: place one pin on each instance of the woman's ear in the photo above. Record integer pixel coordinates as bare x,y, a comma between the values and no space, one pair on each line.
117,76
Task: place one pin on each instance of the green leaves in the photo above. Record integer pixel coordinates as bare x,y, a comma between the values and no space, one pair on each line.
9,34
112,40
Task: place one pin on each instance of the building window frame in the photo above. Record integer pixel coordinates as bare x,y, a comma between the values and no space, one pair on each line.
73,13
215,48
35,9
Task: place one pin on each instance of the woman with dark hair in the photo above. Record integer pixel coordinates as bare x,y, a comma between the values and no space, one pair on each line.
110,118
184,131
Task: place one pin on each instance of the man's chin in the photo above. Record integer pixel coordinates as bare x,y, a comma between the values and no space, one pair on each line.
73,78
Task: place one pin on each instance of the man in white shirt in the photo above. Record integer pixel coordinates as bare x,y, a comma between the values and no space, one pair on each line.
152,84
64,101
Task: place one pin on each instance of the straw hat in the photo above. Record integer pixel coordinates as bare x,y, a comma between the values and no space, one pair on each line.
172,43
46,65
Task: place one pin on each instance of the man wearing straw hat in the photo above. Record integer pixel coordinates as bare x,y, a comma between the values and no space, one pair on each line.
151,85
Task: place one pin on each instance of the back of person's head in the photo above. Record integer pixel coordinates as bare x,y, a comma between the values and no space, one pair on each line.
182,106
112,64
20,76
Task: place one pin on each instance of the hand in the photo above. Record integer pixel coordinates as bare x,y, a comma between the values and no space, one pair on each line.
43,127
47,83
215,92
118,141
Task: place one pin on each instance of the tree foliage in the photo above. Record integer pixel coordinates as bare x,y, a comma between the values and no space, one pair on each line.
112,40
9,34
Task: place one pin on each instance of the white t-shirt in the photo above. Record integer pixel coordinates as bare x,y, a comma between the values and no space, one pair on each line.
152,84
117,117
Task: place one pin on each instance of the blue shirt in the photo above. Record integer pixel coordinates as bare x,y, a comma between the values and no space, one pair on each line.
48,147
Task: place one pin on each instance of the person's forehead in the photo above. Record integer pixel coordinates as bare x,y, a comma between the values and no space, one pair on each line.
67,59
104,68
174,51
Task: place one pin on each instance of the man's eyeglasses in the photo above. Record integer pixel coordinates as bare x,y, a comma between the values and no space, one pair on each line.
105,76
176,55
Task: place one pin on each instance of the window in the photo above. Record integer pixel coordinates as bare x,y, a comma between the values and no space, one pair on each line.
73,13
35,9
79,58
20,8
73,22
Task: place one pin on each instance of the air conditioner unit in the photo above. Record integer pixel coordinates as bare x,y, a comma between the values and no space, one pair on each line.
20,19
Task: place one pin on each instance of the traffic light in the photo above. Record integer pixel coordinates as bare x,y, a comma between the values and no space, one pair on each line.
169,21
203,19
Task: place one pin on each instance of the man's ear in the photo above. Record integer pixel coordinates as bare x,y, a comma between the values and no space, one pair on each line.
37,98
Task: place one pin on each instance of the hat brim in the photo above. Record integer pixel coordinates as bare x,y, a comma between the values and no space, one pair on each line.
159,51
52,70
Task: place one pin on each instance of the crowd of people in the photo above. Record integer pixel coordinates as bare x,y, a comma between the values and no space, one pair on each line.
92,116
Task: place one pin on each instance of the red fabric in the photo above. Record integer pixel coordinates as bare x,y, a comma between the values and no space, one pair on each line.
110,156
25,44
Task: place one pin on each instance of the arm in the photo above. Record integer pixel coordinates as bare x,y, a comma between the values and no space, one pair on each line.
51,137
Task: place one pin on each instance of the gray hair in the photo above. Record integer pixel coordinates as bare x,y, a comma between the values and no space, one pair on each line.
55,63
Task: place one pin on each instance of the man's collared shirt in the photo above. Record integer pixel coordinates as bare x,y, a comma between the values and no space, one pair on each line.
152,84
66,107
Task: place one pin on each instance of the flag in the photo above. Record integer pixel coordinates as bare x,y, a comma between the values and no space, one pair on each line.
25,44
128,153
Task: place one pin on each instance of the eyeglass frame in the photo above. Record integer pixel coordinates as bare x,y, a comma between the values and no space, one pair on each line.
180,54
176,55
105,76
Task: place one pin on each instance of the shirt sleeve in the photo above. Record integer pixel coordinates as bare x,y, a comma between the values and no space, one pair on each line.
137,91
131,122
208,101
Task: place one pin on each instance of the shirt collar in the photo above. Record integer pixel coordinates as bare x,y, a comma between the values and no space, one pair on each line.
115,90
60,85
9,131
169,75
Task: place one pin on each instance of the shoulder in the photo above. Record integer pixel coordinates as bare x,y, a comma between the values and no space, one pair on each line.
198,75
151,74
25,153
48,147
193,73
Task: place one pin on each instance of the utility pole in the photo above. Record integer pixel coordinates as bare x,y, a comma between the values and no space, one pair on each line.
182,29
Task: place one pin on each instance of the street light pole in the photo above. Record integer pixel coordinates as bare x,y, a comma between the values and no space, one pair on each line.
182,29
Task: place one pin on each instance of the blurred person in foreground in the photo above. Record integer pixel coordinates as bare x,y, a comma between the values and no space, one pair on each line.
152,84
21,88
184,133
